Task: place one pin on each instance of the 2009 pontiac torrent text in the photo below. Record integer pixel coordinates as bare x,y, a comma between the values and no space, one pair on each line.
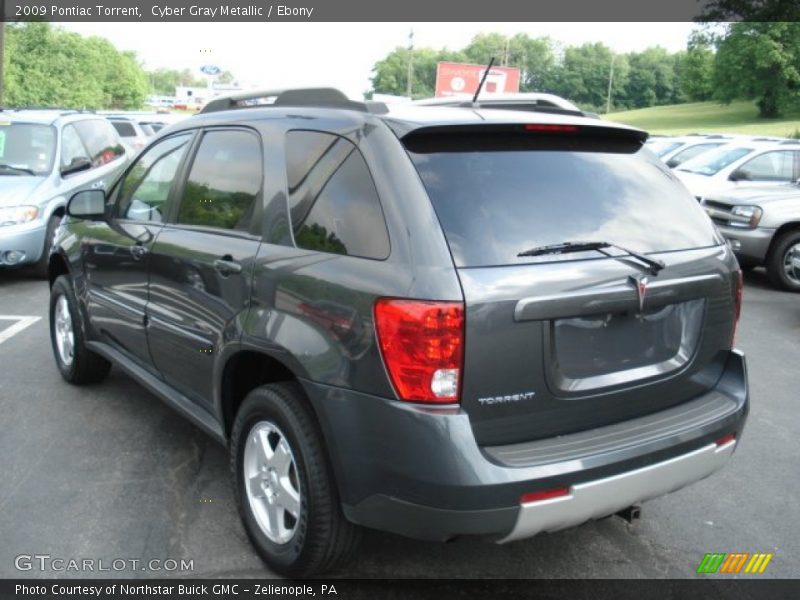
438,322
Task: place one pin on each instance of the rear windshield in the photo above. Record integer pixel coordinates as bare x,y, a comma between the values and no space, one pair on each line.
495,204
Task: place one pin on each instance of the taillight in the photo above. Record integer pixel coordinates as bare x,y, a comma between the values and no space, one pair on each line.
551,128
737,304
544,495
726,439
422,344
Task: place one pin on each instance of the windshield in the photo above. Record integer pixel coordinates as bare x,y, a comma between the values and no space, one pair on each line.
494,204
662,147
26,148
714,161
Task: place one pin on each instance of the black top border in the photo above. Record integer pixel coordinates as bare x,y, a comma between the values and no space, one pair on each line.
227,11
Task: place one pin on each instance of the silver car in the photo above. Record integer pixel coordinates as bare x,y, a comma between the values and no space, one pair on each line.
762,225
45,157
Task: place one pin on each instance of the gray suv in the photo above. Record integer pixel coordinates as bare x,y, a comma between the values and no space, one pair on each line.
438,322
762,225
45,157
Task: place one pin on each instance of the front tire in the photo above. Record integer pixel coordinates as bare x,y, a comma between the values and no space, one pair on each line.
284,485
76,363
783,264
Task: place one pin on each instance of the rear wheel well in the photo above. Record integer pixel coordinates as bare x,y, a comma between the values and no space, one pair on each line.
786,227
243,373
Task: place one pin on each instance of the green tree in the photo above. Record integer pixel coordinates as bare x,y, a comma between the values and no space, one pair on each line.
697,82
390,75
47,66
584,75
651,79
534,57
759,61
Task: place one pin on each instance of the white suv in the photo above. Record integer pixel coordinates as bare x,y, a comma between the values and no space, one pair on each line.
741,164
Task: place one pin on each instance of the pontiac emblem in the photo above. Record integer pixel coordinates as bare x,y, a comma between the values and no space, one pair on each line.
640,283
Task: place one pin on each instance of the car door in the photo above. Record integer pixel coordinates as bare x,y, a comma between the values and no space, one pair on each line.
116,256
202,260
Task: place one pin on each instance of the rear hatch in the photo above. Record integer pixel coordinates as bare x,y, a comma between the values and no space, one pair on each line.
562,342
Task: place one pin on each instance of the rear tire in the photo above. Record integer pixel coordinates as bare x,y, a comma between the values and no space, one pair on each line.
783,264
41,267
284,485
76,363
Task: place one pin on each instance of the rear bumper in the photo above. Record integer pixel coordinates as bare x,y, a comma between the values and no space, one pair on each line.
418,472
749,245
602,497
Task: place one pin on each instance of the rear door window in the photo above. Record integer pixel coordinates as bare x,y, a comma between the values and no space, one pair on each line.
333,202
224,181
494,204
100,140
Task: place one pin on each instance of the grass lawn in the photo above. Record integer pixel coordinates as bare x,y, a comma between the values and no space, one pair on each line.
708,117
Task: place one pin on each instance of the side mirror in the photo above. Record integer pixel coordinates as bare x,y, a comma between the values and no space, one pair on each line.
673,162
77,165
88,204
739,175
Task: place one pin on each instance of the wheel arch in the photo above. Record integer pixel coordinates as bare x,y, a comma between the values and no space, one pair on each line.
785,228
243,372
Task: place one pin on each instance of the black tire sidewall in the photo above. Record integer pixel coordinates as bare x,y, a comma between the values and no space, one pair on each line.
62,287
776,271
261,405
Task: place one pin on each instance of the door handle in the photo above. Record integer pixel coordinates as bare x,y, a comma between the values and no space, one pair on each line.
227,266
139,251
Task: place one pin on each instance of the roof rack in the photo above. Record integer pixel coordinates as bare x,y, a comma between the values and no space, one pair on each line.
789,142
59,109
312,97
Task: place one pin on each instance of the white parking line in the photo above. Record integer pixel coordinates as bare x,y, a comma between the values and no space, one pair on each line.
21,323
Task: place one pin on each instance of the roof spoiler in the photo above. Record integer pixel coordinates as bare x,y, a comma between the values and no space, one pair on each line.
576,137
310,97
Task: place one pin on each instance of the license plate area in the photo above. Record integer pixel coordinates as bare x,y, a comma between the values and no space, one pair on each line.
593,352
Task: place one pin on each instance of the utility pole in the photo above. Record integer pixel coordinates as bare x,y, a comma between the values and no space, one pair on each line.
2,58
610,82
410,74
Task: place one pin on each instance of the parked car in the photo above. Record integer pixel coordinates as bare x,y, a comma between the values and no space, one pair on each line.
531,101
45,157
133,134
762,225
693,147
741,163
437,322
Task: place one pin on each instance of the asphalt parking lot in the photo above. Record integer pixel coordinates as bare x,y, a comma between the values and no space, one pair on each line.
108,472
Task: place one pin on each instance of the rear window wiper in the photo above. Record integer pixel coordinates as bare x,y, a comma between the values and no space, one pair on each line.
654,265
17,169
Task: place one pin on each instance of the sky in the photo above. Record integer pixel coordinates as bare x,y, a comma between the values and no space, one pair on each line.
280,55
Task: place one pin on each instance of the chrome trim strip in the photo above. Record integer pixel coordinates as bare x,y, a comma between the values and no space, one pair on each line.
603,497
617,298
